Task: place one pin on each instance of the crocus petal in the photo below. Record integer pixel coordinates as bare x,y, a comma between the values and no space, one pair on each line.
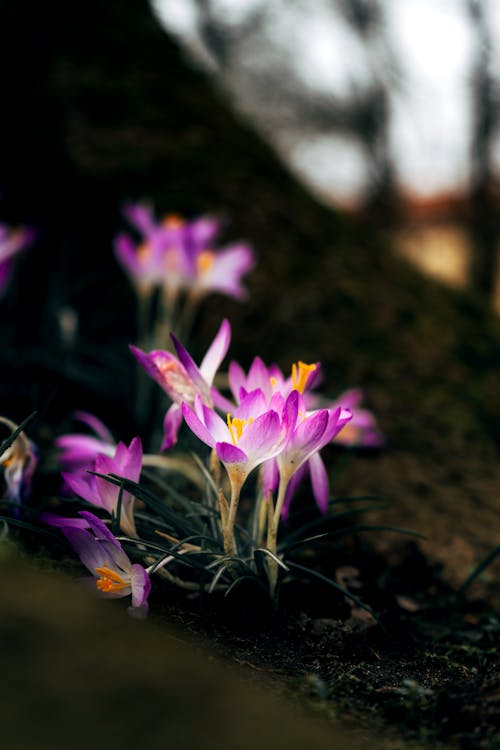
337,419
130,466
227,269
351,398
204,230
141,585
290,412
270,476
252,405
230,454
263,438
51,519
125,252
237,379
221,402
95,424
258,375
99,528
140,215
196,426
81,450
216,352
89,550
171,425
215,425
319,481
309,432
189,365
84,486
293,483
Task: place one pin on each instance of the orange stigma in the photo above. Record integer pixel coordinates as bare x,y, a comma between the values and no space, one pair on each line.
109,581
300,375
236,427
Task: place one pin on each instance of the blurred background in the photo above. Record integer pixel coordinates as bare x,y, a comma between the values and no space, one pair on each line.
381,107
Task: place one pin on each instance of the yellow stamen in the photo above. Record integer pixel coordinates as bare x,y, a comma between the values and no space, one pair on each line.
236,427
173,221
300,375
109,580
205,261
273,381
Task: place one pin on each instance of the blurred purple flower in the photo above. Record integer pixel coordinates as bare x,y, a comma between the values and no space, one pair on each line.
180,255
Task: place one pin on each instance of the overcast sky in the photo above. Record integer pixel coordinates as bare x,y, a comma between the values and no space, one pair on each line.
428,55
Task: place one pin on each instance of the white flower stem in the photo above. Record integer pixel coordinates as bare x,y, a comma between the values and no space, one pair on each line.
228,527
272,534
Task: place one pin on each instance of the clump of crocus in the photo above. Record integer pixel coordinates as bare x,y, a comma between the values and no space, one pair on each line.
182,380
19,462
251,435
102,554
125,462
12,242
361,430
179,258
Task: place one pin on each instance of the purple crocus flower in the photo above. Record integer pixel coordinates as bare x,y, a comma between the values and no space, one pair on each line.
362,430
179,255
12,241
182,380
251,435
126,462
102,554
19,462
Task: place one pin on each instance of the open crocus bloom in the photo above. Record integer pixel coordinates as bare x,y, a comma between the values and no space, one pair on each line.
12,241
251,435
19,462
79,451
182,380
126,463
362,430
102,554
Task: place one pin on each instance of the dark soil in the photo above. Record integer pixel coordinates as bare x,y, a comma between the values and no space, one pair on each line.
429,670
